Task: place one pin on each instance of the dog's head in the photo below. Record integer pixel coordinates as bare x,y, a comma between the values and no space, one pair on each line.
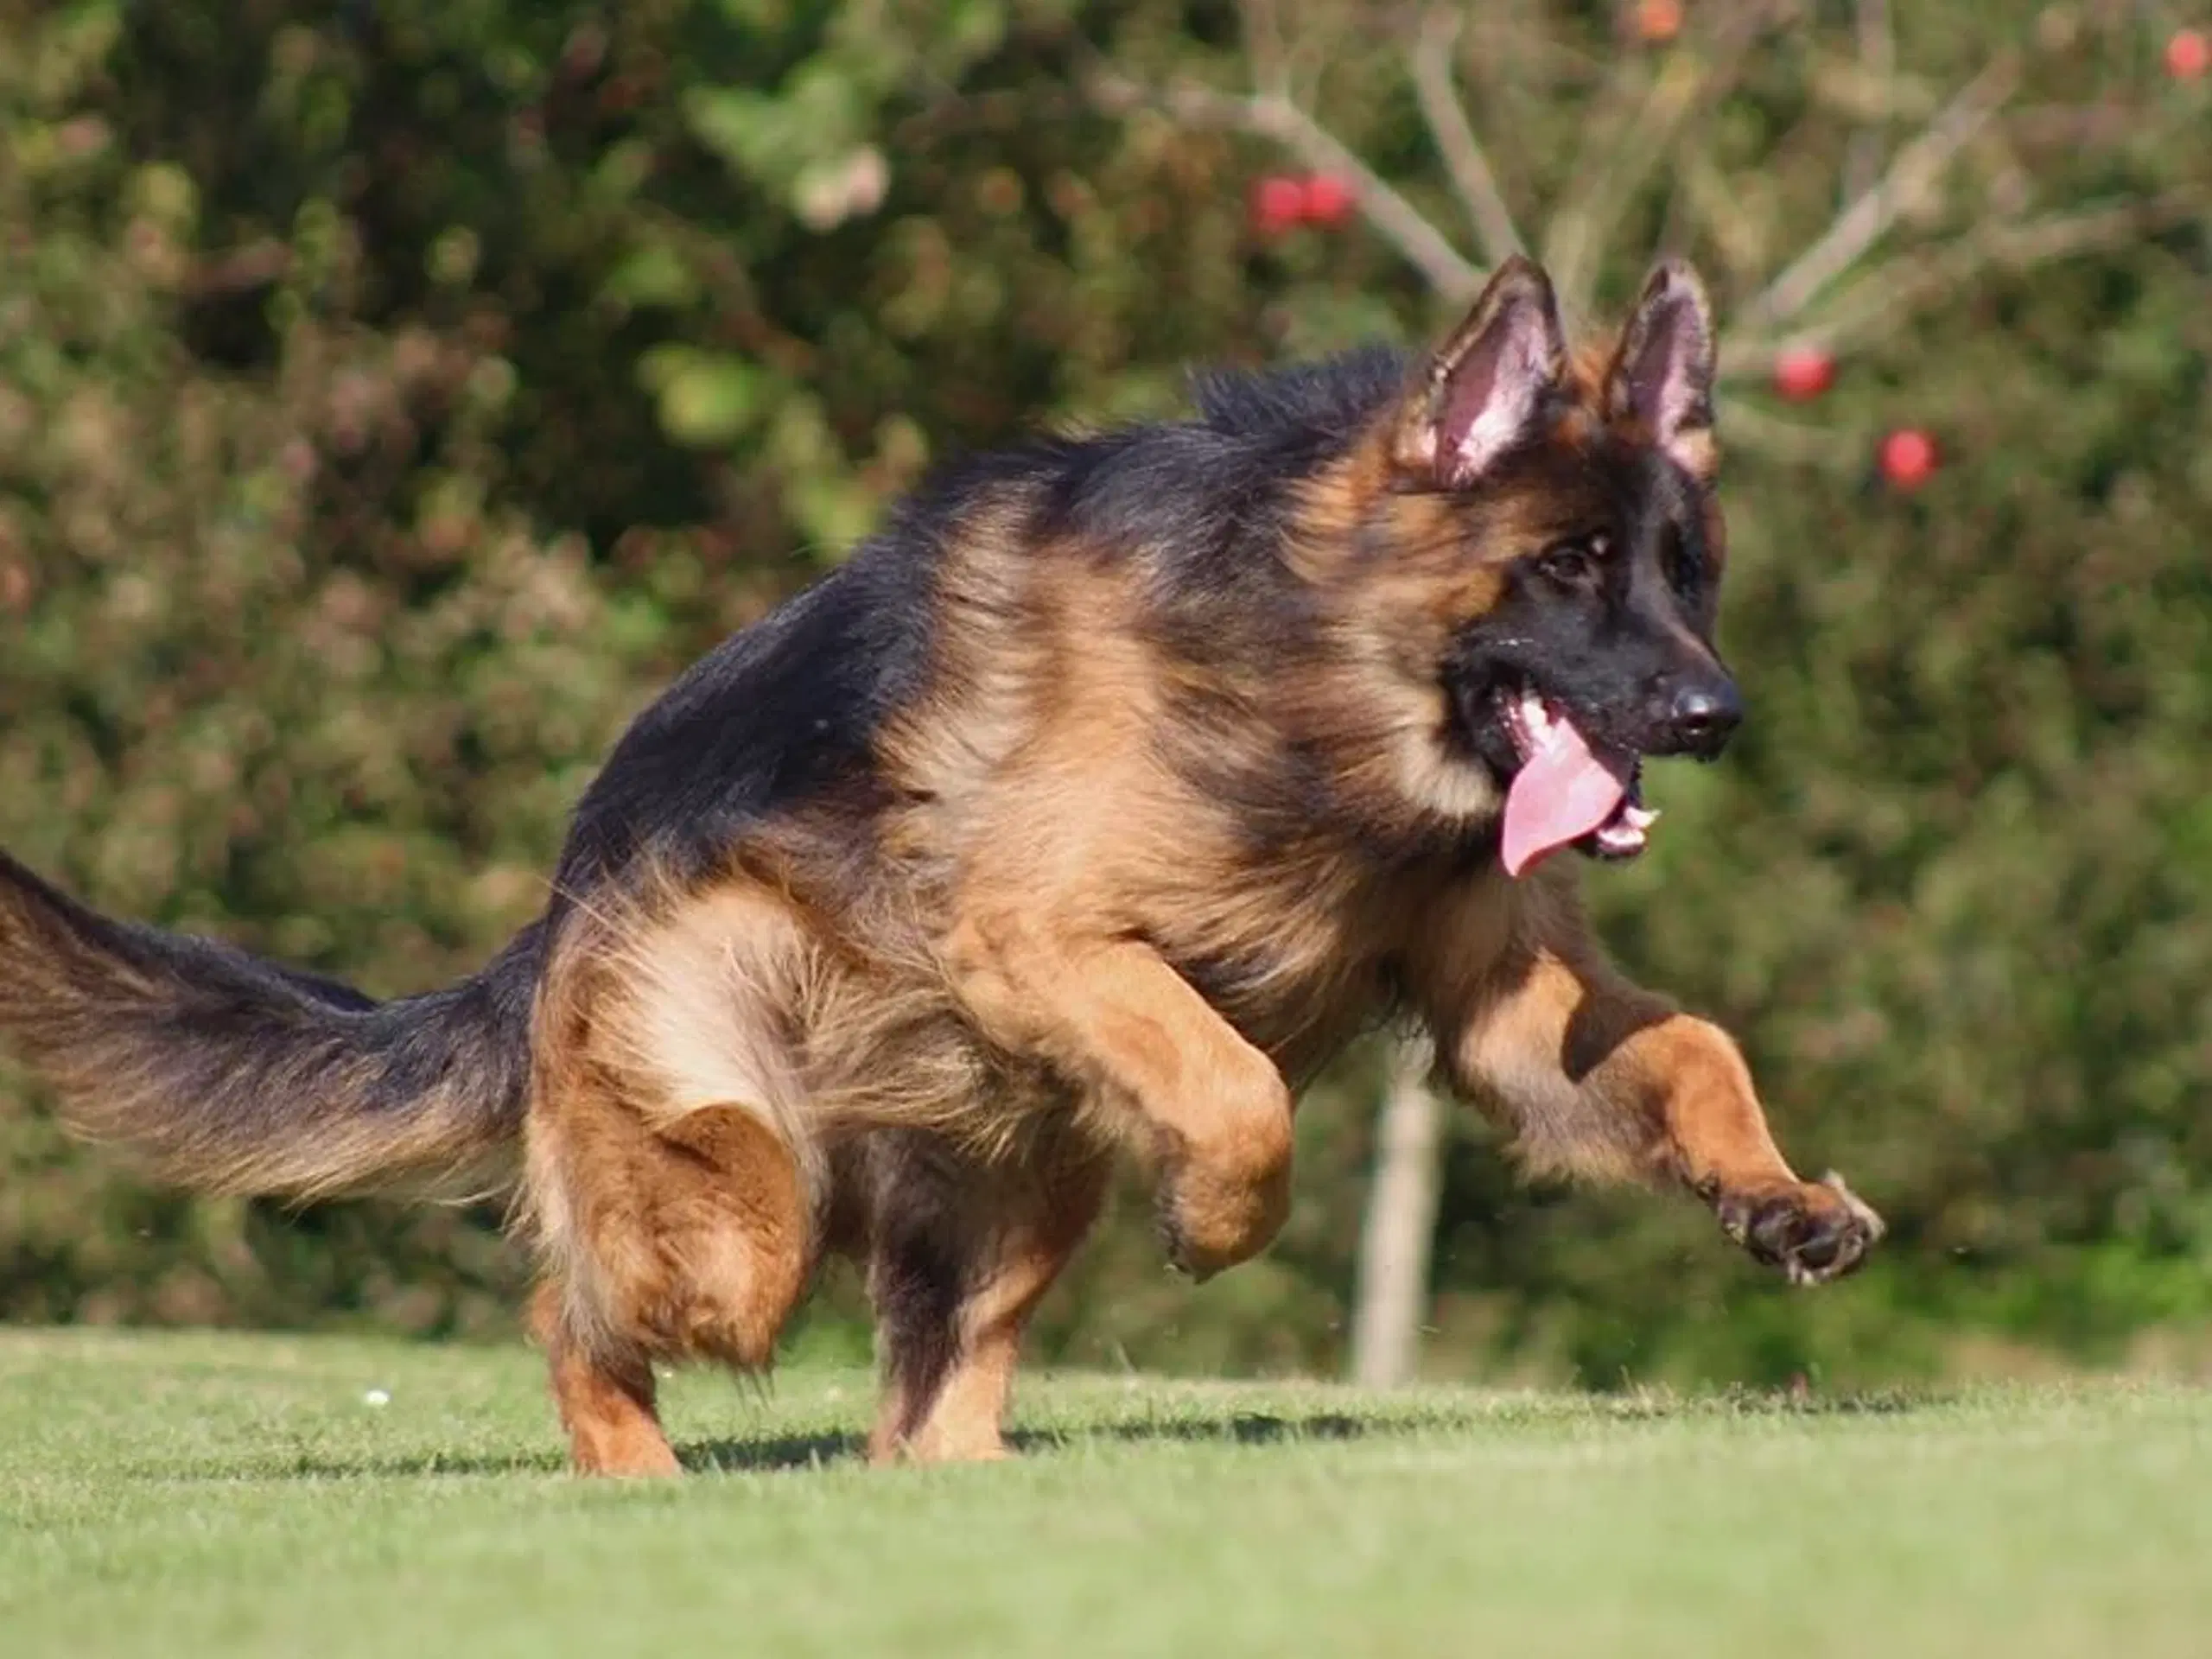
1559,553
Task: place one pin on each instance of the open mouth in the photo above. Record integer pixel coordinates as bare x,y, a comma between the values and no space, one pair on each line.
1567,790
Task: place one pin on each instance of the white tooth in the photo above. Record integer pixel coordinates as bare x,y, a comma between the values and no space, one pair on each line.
1639,818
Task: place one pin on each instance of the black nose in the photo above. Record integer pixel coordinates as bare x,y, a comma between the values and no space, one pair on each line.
1699,719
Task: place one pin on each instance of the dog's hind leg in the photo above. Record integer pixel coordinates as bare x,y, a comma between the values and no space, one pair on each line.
668,1173
687,1241
959,1254
605,1399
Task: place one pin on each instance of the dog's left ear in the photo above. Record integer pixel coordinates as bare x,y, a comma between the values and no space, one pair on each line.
1662,375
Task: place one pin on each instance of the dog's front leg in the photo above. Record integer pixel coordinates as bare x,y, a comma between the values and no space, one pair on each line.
1113,1014
1596,1077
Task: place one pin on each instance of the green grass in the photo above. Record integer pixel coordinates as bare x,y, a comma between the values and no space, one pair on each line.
238,1495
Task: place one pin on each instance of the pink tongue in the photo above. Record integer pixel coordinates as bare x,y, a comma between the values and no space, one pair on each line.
1563,792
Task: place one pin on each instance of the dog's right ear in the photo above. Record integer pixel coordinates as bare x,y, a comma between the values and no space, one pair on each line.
1487,389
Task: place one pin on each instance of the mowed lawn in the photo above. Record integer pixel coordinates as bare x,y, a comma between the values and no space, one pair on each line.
237,1495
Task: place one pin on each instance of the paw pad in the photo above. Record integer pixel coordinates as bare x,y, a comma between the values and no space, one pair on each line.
1814,1234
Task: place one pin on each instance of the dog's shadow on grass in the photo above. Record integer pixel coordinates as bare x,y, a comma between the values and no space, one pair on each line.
794,1451
423,1466
1243,1428
774,1452
779,1453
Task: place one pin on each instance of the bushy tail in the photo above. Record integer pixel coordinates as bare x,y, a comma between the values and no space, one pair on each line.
227,1074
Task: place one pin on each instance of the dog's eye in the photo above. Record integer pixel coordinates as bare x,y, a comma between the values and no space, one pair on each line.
1574,563
1684,570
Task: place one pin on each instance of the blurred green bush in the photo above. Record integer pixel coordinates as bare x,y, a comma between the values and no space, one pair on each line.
392,395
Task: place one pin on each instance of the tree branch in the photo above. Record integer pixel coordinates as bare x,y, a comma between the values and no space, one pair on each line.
1685,87
1440,107
1862,163
1263,44
1274,116
1914,169
1887,297
1746,426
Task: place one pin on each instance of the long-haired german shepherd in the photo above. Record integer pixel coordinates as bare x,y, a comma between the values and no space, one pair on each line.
1097,801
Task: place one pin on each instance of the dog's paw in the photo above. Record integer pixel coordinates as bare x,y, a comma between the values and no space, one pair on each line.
1815,1232
1207,1223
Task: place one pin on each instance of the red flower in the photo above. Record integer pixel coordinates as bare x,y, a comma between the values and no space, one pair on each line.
1278,204
1908,458
1282,202
2189,53
1328,200
1804,372
1658,21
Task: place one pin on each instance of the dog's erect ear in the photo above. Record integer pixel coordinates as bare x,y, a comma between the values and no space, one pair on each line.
1661,376
1487,389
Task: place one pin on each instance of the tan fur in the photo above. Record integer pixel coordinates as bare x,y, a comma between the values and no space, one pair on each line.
607,1405
1091,892
89,1020
1034,1217
1011,972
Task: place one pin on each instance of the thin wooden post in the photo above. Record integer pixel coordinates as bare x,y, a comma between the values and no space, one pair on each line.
1397,1240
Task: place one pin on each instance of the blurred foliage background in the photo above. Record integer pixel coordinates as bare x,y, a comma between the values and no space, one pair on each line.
394,393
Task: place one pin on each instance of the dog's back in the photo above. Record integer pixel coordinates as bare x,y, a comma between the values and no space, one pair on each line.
1094,802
